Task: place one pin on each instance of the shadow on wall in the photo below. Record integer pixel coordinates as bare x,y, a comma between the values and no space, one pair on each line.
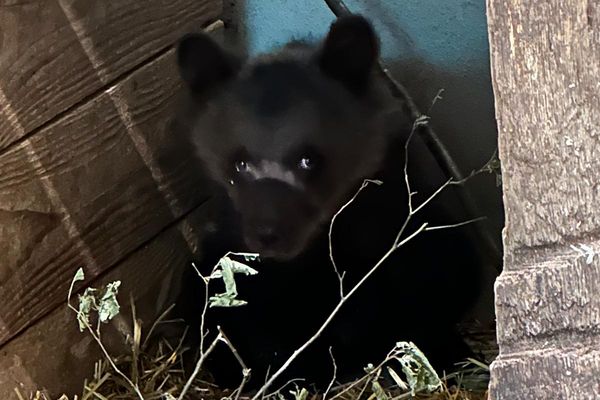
430,45
464,119
235,36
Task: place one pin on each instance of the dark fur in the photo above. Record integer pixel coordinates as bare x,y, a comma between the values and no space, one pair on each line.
321,103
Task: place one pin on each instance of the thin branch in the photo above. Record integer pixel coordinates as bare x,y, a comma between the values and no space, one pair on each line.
96,337
365,183
375,371
439,227
438,96
325,324
265,381
203,334
135,388
198,367
333,378
422,228
417,122
245,369
337,308
203,352
271,395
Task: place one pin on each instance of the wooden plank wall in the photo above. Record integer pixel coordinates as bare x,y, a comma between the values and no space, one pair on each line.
546,76
85,94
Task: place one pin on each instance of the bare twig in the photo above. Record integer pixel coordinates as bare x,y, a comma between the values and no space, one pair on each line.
399,242
96,337
245,369
135,388
458,224
221,337
340,276
203,334
433,143
334,376
332,315
203,352
278,391
423,120
373,372
198,367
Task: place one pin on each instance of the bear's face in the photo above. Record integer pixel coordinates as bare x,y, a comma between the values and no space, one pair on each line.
290,135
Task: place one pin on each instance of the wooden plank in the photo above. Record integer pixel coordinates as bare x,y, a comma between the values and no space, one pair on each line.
545,68
26,215
56,53
55,356
98,180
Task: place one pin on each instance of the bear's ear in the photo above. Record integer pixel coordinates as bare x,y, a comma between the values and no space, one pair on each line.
350,52
203,64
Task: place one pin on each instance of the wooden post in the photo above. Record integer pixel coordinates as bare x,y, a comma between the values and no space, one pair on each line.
546,74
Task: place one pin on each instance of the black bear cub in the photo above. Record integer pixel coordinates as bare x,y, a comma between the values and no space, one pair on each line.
289,137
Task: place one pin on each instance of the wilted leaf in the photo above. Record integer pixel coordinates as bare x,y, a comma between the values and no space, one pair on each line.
225,300
301,394
235,266
420,375
87,303
226,269
79,276
103,302
108,306
399,382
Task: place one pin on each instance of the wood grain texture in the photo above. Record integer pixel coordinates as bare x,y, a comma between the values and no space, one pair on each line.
546,64
54,54
55,356
545,68
98,184
554,373
549,304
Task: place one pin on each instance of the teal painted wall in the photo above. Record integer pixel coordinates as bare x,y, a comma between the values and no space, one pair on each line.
448,33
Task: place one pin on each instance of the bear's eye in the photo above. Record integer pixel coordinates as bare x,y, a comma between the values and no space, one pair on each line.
306,160
241,166
306,163
240,161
